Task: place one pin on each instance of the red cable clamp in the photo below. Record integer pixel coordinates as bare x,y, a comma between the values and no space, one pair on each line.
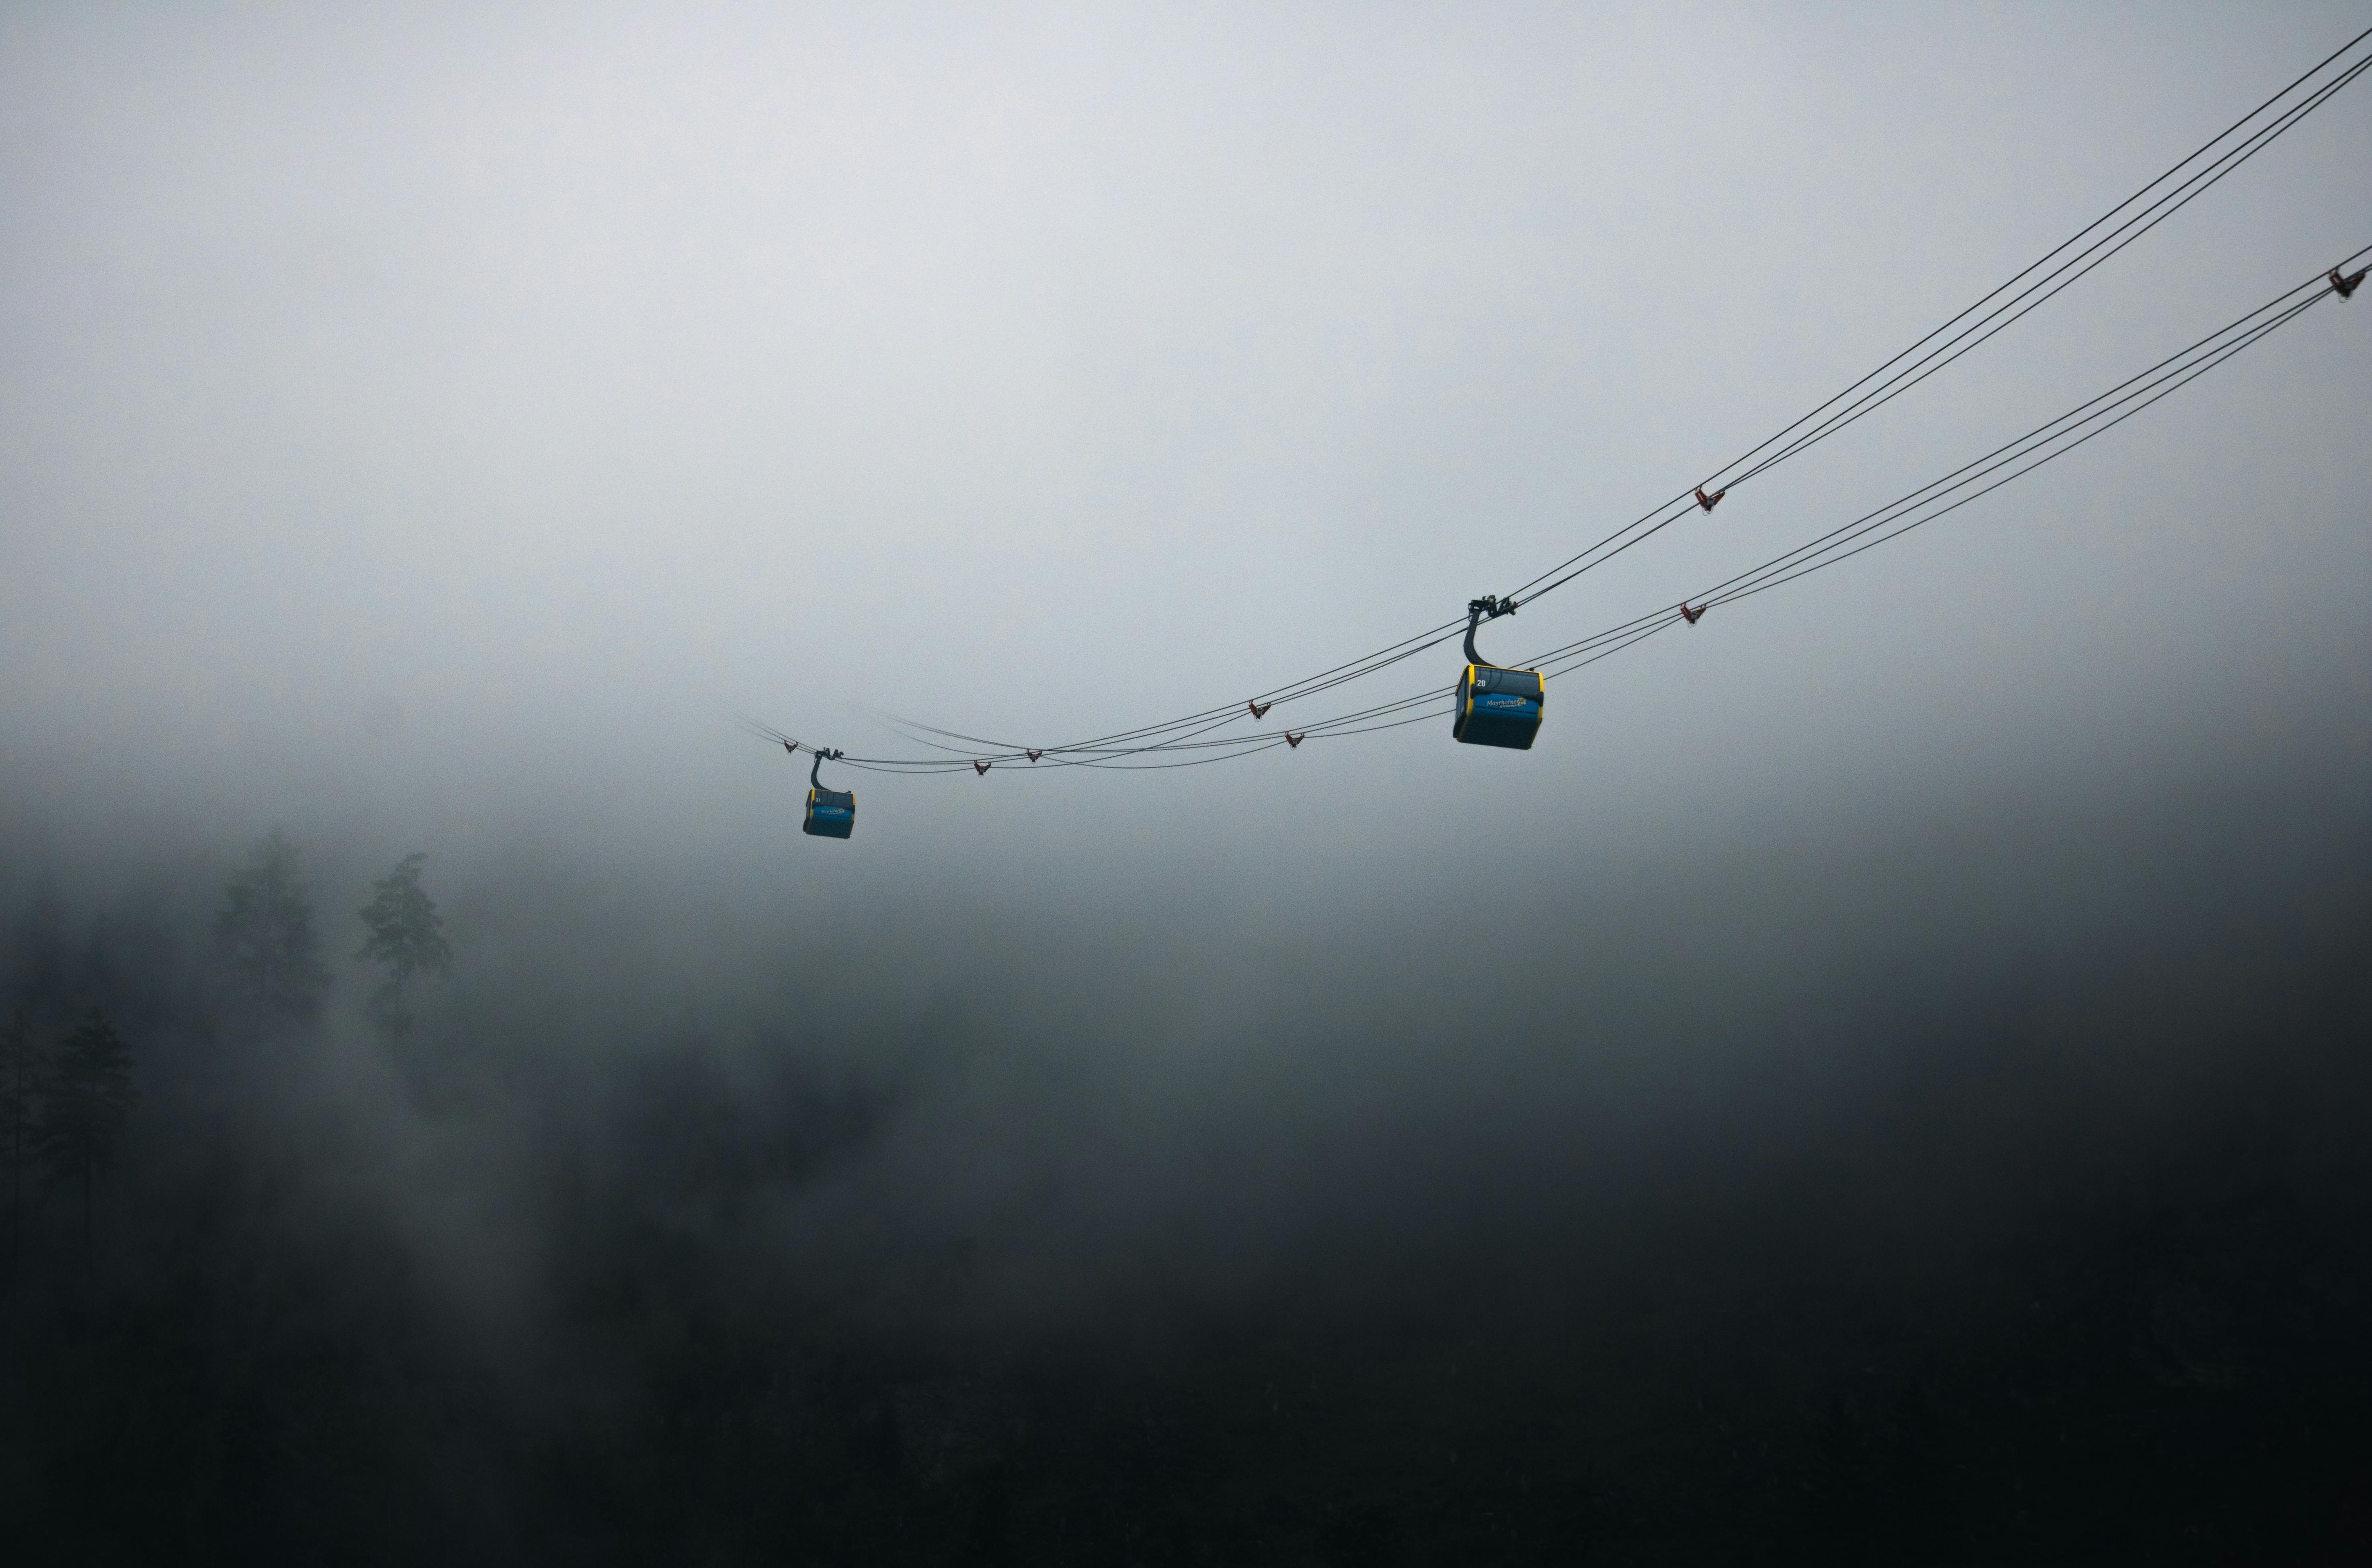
1295,740
979,767
1259,710
2346,286
1035,755
1709,501
1690,615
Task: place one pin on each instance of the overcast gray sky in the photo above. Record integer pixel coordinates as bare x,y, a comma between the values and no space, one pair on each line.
450,421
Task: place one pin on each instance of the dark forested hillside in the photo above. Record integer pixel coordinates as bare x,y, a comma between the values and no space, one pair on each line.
596,1241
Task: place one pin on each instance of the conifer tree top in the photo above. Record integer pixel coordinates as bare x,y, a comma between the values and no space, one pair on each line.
406,932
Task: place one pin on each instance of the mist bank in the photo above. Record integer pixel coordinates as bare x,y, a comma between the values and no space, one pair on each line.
1904,1174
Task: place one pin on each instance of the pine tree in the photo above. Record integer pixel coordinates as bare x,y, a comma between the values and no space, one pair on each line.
406,937
266,933
86,1098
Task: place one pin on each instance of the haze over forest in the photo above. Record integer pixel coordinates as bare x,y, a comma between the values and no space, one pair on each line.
1883,1080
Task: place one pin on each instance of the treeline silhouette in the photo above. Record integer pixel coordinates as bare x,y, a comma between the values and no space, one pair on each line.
492,1263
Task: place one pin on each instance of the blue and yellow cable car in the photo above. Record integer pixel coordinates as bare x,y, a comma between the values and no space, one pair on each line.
832,813
1496,706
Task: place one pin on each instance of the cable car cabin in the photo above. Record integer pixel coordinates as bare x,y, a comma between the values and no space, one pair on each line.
832,813
1498,707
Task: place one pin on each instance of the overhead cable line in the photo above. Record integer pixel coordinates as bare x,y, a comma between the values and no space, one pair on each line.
2013,460
2046,442
1893,378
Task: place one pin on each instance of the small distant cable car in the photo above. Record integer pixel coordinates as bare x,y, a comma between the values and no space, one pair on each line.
832,813
1496,706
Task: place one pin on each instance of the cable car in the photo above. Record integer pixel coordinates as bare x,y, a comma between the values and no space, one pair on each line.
832,813
1496,706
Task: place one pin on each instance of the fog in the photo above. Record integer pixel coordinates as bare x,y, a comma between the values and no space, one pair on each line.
1881,1079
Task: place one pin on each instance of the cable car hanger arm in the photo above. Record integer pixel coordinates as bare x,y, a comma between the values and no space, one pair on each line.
1490,606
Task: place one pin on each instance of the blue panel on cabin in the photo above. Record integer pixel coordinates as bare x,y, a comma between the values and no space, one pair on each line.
1498,707
832,813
